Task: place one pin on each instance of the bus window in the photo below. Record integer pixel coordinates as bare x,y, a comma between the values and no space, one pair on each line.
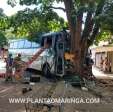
46,40
27,44
49,40
11,45
35,45
21,44
15,45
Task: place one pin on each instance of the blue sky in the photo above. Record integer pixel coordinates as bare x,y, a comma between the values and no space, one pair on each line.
8,10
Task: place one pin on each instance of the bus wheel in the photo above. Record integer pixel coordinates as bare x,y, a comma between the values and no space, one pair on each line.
46,70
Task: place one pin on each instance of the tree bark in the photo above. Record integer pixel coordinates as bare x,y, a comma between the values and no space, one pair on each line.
75,30
79,39
69,7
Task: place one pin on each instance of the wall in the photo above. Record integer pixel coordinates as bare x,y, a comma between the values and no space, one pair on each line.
98,58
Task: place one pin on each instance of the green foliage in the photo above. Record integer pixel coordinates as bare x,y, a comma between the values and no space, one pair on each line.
3,20
106,18
54,25
44,19
103,36
29,23
3,40
3,23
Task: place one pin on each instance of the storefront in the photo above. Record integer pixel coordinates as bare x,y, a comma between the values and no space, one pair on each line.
102,52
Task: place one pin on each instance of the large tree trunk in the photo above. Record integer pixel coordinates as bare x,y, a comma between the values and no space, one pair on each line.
78,48
75,30
81,40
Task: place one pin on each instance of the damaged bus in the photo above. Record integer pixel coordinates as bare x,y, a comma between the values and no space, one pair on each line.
52,60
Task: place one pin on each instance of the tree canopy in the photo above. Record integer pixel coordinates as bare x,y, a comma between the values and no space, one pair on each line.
3,40
106,23
106,17
89,21
97,12
30,23
3,20
3,26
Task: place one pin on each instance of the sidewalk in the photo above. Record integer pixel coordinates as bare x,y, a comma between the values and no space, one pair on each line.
100,74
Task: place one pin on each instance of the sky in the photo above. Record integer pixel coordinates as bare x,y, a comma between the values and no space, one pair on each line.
8,10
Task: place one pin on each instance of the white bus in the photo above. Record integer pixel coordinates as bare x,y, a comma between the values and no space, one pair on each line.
27,49
51,61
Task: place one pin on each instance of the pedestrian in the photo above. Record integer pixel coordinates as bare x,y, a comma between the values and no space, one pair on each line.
106,65
109,67
101,63
9,66
17,66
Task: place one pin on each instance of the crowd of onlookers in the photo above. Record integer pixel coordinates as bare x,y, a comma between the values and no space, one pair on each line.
13,64
105,65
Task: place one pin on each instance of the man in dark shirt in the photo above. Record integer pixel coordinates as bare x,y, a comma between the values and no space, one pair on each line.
9,66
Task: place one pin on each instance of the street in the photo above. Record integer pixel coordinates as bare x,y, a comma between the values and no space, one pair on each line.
41,89
46,88
100,74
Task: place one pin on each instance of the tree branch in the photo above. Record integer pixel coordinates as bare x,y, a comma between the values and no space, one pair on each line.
88,23
70,11
94,34
88,27
69,7
97,25
60,8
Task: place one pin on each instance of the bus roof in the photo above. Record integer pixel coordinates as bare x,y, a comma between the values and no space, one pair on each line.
14,40
50,34
54,33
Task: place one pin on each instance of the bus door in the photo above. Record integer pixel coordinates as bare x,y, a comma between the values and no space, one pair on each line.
59,66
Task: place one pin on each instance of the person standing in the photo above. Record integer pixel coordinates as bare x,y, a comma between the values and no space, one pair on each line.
9,66
101,63
17,66
106,64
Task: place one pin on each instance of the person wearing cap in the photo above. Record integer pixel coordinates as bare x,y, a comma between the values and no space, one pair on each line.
9,66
